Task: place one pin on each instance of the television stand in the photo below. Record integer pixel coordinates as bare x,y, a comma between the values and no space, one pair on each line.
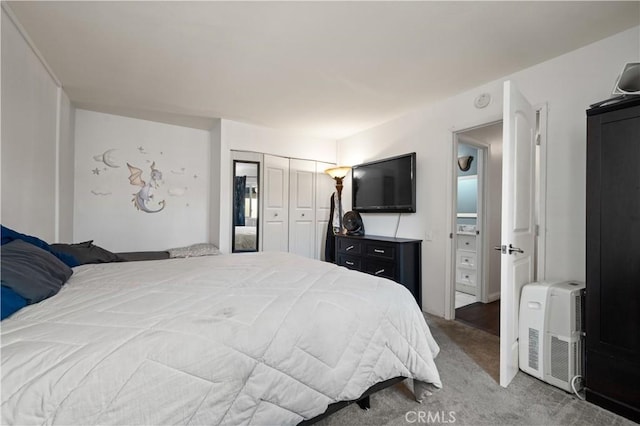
398,259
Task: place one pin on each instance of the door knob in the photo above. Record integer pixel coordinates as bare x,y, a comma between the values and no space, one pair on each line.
513,249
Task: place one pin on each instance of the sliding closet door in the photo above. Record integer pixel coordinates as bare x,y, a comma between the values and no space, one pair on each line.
276,204
302,176
325,186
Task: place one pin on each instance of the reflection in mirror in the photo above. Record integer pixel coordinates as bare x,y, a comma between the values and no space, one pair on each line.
245,206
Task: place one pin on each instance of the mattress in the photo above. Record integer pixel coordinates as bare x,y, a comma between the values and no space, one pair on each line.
258,338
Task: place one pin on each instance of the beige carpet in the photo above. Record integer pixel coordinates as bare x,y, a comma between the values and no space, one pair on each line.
471,395
480,346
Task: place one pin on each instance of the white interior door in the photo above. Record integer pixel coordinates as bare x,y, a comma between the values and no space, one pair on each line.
302,176
275,220
325,186
518,227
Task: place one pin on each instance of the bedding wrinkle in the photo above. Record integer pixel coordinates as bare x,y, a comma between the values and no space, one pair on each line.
272,340
416,352
369,343
86,375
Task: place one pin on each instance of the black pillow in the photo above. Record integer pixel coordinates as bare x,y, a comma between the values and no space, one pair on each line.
87,252
31,272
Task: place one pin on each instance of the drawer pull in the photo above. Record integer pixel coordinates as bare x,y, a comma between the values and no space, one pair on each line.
466,243
349,248
350,263
466,276
379,272
378,251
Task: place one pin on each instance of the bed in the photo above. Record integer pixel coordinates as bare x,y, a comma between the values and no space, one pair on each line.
258,338
245,237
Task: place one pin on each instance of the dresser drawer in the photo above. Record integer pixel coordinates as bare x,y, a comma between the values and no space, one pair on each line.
466,259
467,242
466,276
348,245
351,262
380,250
380,269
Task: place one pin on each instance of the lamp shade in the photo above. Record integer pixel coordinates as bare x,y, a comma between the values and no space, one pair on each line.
338,172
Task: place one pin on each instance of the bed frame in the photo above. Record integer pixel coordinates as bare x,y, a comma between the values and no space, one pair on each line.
363,402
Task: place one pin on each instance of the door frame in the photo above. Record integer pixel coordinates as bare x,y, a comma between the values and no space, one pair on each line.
481,219
540,204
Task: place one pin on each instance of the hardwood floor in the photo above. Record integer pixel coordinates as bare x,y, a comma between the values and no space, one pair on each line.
484,316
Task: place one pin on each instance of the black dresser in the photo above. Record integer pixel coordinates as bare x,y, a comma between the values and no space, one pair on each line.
612,308
398,259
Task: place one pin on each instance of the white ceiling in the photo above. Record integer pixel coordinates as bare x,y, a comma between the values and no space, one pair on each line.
327,69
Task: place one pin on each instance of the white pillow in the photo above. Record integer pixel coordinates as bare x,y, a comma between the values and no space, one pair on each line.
202,249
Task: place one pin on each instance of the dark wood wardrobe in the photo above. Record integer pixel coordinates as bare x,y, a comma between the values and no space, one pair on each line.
612,308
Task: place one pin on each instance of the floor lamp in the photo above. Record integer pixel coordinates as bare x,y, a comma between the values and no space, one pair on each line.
338,173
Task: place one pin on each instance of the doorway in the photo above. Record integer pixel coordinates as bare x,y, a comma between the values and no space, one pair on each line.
477,200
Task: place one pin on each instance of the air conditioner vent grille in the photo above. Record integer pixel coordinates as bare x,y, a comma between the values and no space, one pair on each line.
534,348
578,307
559,359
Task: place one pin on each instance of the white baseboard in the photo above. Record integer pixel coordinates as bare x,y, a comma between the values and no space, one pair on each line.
493,297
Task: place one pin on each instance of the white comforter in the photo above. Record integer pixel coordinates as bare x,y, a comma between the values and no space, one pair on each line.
265,338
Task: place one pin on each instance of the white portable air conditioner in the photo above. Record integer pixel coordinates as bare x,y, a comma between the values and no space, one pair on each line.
550,331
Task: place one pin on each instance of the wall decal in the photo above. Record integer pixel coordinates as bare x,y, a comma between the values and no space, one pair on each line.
142,151
145,195
177,192
100,192
96,171
107,158
181,172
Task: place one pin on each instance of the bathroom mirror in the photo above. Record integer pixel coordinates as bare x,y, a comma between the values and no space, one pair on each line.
245,206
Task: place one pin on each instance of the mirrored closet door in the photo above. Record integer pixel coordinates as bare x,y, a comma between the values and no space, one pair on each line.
246,206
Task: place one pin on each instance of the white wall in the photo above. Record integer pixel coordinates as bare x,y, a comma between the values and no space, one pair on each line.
214,186
66,159
104,211
35,117
568,84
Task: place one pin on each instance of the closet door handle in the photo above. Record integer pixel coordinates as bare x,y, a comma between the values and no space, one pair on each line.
349,248
378,272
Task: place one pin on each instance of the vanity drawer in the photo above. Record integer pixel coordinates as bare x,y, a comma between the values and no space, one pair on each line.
348,245
380,269
467,242
381,250
466,276
351,262
466,259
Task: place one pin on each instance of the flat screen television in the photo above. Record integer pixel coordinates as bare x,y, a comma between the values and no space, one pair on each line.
385,186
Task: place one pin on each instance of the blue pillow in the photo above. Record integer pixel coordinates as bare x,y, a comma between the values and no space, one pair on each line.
33,273
11,302
9,235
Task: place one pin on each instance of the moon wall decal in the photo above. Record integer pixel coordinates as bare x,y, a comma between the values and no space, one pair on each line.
107,158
